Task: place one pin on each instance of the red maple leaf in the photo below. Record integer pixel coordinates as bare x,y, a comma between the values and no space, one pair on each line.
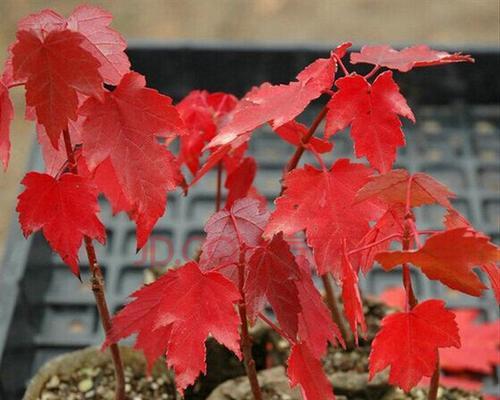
372,111
406,59
390,223
453,219
56,159
392,188
175,314
65,209
271,274
408,342
306,371
57,70
353,306
203,113
449,257
320,202
277,104
239,181
104,43
316,327
229,230
123,128
293,132
6,116
480,345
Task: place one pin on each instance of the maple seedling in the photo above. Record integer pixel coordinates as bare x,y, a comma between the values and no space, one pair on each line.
350,213
89,137
113,140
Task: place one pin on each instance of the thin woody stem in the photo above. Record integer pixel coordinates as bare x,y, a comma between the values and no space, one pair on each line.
331,300
246,341
294,161
97,281
369,246
410,232
291,165
276,328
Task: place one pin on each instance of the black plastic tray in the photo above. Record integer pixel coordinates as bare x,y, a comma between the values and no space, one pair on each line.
44,311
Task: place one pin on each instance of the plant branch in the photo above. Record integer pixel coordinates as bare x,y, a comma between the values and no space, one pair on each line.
342,65
246,341
294,161
372,72
276,328
331,300
369,246
434,385
97,281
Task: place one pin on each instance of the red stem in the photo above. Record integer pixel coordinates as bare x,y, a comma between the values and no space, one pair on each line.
97,281
294,161
331,300
409,232
342,65
368,246
246,341
276,328
372,72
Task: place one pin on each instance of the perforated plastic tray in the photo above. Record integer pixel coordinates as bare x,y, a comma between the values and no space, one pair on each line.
45,311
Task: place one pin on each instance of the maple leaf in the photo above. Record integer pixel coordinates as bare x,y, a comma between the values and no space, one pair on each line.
319,201
407,58
173,314
277,104
293,132
408,343
392,188
453,219
106,181
448,256
372,111
57,69
123,128
480,345
6,116
353,306
203,113
341,49
104,43
56,159
316,327
390,223
271,273
239,181
228,230
65,209
306,371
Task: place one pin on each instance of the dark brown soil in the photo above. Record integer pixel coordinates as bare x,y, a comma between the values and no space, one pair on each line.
97,383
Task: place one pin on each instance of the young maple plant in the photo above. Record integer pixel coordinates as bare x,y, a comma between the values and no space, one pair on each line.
93,140
114,142
351,213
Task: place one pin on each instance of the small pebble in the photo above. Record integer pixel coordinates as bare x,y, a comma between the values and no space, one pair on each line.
85,385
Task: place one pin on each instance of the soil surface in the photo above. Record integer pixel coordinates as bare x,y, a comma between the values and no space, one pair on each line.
98,383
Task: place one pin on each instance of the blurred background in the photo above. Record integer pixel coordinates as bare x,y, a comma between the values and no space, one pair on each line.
445,23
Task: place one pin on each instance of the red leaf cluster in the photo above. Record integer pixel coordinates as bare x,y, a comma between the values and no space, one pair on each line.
113,140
